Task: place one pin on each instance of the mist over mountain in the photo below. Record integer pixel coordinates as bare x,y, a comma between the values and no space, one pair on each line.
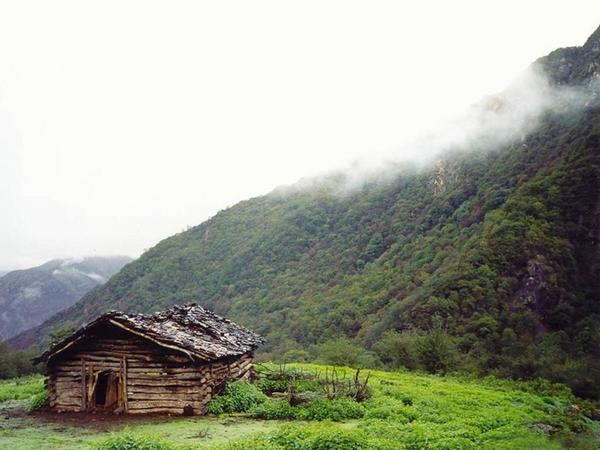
494,242
30,296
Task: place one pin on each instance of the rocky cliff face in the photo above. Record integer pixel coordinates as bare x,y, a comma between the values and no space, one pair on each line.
28,297
574,65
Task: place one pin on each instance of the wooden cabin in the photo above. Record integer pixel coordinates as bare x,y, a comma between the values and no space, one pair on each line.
170,362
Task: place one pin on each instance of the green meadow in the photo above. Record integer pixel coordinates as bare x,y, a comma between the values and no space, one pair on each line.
405,410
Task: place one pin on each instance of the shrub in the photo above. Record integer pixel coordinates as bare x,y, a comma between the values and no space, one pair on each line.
387,408
398,395
130,441
252,443
325,437
296,355
281,379
398,349
343,352
336,410
321,409
437,352
338,439
238,396
21,388
434,351
15,363
38,401
273,410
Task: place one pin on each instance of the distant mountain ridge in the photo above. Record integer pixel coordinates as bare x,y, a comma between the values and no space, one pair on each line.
497,248
30,296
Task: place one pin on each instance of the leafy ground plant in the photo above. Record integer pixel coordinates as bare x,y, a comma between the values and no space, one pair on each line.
331,397
127,440
38,401
407,411
21,388
238,396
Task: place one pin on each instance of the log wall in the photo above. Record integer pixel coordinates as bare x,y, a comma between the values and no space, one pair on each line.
157,380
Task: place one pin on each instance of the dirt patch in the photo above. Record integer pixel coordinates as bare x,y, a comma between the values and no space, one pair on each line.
96,421
13,409
229,421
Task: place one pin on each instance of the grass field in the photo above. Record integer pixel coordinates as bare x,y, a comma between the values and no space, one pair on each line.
20,388
407,411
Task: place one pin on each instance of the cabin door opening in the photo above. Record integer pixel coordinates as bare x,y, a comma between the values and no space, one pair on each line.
106,390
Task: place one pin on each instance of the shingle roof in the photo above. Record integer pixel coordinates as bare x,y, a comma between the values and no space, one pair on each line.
190,329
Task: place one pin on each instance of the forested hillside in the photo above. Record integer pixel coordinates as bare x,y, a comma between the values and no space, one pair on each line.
30,296
491,252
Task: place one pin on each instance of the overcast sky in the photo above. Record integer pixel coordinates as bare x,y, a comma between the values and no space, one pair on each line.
123,122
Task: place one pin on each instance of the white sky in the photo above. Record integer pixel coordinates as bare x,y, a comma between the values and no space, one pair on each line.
123,122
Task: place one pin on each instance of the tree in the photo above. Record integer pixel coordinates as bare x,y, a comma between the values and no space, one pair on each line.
437,352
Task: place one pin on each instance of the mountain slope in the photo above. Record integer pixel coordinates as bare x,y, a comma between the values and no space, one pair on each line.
30,296
496,245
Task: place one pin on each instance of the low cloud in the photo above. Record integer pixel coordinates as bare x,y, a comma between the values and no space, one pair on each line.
495,121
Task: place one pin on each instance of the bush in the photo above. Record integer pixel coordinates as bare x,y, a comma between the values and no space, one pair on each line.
326,437
281,379
434,351
238,396
437,352
343,352
259,442
336,410
38,401
388,408
321,436
273,410
15,363
21,388
398,395
296,355
398,349
321,409
130,441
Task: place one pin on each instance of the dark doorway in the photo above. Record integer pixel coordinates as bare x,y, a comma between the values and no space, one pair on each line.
107,392
101,388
